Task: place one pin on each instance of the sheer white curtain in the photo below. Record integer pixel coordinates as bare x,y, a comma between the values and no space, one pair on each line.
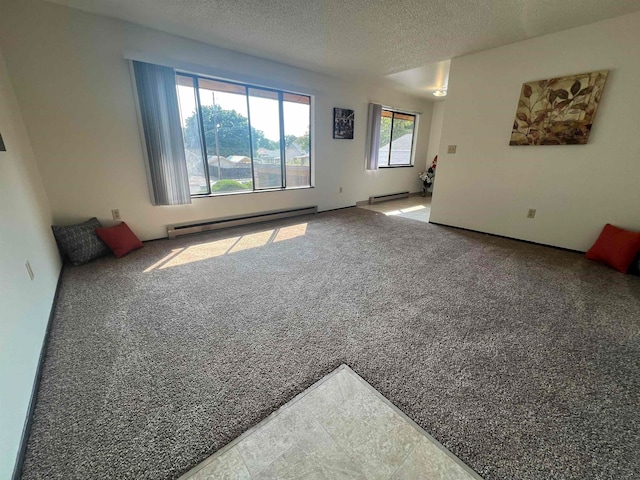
373,136
160,115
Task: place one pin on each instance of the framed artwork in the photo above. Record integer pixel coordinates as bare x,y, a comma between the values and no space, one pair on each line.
343,123
2,147
558,111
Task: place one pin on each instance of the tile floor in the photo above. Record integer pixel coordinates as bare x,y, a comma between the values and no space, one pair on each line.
415,208
340,428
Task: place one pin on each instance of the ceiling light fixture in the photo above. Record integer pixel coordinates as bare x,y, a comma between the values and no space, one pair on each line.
440,93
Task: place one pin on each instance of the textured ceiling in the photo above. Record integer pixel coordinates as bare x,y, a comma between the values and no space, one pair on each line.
360,38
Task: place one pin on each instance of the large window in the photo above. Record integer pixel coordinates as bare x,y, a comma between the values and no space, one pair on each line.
396,139
240,138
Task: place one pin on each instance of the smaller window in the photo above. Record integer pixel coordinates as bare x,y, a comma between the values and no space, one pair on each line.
397,132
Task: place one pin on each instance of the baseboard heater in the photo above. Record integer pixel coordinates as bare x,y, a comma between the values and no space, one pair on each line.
174,231
390,196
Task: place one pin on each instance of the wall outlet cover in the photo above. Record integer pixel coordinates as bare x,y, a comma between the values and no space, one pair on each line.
452,149
531,213
115,213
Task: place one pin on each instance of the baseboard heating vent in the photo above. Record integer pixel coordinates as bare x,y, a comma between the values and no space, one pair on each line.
390,196
174,231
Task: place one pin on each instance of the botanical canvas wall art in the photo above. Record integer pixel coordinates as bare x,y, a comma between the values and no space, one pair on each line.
558,111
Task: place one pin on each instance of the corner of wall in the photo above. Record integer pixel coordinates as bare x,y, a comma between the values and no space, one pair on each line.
26,303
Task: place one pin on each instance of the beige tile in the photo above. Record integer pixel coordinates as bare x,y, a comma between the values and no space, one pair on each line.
383,451
428,462
374,436
350,386
359,410
267,443
293,426
228,466
264,475
324,463
323,399
314,455
309,435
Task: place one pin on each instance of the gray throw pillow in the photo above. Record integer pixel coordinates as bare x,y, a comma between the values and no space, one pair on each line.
80,242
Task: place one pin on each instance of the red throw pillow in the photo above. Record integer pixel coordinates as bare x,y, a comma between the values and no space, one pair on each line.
615,247
120,239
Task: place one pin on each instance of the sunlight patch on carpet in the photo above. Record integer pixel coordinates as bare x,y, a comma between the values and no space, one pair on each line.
205,251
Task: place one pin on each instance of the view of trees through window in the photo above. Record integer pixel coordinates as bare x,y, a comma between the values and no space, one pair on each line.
396,138
243,133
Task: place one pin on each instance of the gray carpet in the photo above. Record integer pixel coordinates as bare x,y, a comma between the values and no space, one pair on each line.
523,360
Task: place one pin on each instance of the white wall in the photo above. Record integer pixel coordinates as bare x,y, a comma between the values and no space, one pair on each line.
25,234
489,186
437,120
75,92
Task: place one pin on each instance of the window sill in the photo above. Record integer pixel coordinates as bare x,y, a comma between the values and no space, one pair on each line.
266,190
396,166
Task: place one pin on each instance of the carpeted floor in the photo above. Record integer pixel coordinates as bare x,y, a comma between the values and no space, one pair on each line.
523,360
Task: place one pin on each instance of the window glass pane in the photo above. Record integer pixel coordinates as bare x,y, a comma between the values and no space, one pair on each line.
219,86
265,133
256,92
191,135
226,132
402,139
385,138
296,98
297,115
184,80
235,139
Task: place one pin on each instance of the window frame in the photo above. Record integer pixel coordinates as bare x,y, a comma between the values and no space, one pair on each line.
411,163
247,86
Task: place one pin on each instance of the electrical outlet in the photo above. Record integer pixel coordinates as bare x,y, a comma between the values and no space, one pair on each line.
29,270
531,213
452,149
340,189
115,213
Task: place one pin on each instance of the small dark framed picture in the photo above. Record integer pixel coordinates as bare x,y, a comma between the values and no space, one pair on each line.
2,147
343,123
